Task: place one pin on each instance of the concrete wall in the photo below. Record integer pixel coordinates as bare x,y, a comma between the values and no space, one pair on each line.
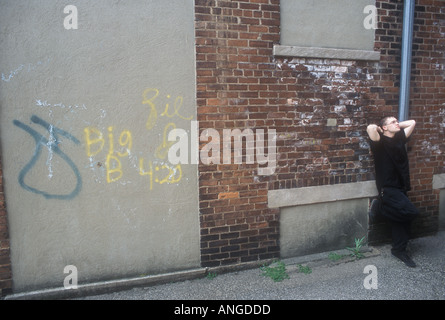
84,113
439,183
322,227
322,218
442,210
325,24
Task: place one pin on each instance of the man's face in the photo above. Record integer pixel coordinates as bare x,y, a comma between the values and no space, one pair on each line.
392,125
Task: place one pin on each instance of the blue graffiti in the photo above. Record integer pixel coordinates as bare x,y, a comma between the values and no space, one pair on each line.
53,146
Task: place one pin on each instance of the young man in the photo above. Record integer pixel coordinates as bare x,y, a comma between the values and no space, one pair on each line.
388,141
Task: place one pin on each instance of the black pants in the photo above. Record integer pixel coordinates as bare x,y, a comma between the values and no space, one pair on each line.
400,235
396,207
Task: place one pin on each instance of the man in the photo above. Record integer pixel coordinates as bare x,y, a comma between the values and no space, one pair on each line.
388,141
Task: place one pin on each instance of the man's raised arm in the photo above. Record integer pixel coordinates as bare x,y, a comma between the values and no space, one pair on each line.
408,126
373,132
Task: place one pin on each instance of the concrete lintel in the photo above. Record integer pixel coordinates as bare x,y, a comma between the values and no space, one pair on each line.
326,53
310,195
439,181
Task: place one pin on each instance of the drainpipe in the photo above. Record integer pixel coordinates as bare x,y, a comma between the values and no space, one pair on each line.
405,72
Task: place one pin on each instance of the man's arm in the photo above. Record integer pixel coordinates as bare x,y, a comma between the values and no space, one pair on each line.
373,132
407,126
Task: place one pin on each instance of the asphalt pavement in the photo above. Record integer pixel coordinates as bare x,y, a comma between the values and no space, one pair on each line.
376,276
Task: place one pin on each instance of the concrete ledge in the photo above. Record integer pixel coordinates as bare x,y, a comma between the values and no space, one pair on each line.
108,286
111,286
321,194
439,181
326,53
322,259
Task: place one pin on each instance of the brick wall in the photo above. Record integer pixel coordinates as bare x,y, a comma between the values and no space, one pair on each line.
428,109
5,262
237,88
320,109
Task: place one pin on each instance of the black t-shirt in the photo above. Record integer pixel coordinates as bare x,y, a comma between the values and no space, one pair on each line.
391,162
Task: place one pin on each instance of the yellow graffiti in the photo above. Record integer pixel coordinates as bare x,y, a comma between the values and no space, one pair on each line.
111,170
162,149
158,172
125,142
174,174
149,95
177,106
153,117
142,171
93,141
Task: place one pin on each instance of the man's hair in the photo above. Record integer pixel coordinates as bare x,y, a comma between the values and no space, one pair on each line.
383,121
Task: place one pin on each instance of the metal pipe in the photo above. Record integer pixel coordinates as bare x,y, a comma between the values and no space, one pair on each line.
405,72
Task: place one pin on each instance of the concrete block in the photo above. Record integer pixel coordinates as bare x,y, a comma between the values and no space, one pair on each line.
322,227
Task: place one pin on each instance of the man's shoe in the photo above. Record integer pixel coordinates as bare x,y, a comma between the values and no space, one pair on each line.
403,256
373,210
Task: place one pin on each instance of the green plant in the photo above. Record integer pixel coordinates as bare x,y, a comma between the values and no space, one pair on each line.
355,252
276,271
333,256
304,269
211,275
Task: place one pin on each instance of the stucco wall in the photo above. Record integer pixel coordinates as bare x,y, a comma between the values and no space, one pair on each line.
84,117
328,23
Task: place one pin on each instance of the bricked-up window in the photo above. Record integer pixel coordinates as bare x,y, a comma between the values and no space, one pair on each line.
328,29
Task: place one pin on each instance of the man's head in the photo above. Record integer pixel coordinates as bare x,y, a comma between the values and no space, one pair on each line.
389,125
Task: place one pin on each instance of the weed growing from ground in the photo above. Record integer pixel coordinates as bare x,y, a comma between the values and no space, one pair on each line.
276,271
211,275
304,269
333,256
355,252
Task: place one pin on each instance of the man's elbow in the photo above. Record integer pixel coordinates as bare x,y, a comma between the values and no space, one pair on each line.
373,132
371,128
